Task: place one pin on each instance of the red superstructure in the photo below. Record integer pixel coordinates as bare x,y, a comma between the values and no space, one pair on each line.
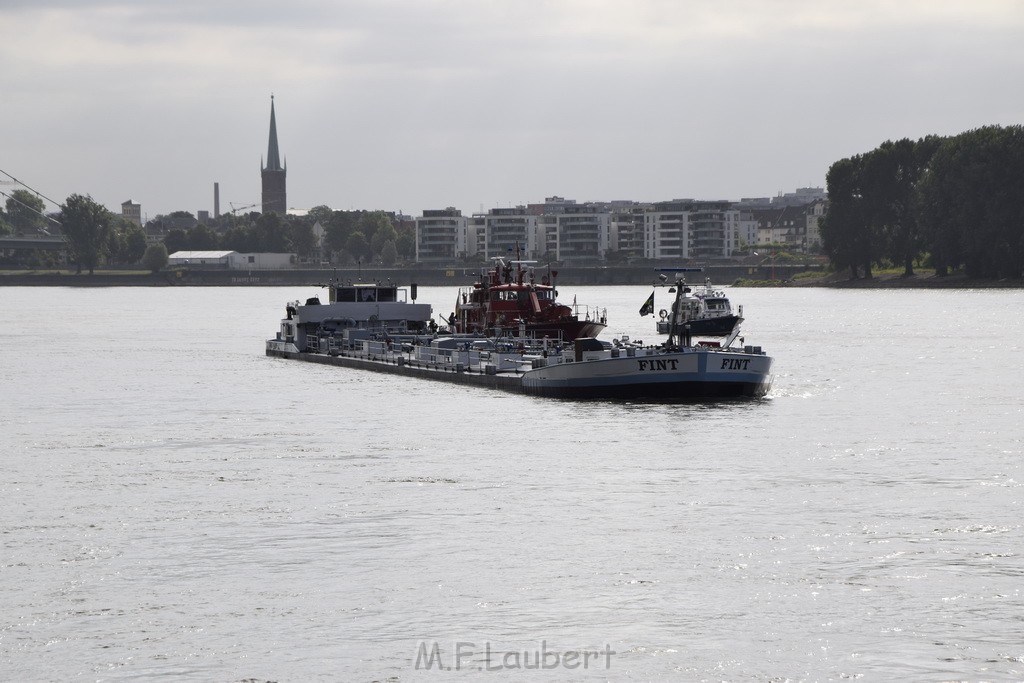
508,300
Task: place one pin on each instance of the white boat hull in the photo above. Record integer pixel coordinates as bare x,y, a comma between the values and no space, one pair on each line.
688,373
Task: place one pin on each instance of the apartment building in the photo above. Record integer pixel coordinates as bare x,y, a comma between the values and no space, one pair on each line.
442,236
690,229
667,230
563,230
502,230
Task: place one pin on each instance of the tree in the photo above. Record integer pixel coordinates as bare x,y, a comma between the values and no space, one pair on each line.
357,246
388,253
155,257
176,240
372,221
321,213
891,175
384,232
86,228
303,239
971,205
25,212
338,229
201,238
271,234
406,246
127,241
844,227
239,238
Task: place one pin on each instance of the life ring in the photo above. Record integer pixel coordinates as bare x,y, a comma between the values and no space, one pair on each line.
663,313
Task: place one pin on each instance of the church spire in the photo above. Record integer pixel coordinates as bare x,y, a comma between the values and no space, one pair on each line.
274,177
273,155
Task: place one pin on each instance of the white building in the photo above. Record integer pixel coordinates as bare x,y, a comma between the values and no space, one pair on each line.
688,229
442,235
667,230
230,260
504,229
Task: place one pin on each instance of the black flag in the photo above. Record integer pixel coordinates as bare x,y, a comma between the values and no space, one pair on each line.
648,307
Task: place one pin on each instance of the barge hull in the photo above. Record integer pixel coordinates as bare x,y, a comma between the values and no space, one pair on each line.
658,392
420,371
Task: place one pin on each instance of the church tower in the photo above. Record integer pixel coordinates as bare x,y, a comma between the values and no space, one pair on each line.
274,196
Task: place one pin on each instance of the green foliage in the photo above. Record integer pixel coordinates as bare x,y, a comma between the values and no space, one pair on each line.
406,245
24,212
303,239
972,203
321,213
381,236
357,246
271,235
201,238
388,253
86,228
957,199
238,238
176,240
371,222
844,227
126,243
155,258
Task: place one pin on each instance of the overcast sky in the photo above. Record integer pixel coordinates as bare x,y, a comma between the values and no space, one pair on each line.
416,104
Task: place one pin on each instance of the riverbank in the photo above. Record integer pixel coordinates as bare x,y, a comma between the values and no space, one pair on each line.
429,276
738,275
896,280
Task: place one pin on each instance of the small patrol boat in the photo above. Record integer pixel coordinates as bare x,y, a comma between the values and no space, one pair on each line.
703,311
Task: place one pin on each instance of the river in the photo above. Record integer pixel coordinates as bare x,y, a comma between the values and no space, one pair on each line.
178,506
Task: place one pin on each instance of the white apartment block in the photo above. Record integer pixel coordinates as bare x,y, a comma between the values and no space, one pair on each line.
686,229
582,233
505,229
562,230
667,231
443,235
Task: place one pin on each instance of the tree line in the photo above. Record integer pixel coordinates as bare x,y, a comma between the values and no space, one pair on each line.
96,236
349,236
945,202
93,234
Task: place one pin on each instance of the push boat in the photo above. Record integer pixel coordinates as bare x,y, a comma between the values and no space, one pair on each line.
508,297
703,311
393,335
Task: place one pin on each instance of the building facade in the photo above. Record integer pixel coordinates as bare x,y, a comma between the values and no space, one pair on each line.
132,212
504,230
620,231
442,236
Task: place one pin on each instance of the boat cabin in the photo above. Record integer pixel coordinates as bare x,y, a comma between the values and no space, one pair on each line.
366,293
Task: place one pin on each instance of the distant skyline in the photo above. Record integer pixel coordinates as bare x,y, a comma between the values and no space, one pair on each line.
406,105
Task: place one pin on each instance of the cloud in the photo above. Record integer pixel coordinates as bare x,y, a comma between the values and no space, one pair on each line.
436,102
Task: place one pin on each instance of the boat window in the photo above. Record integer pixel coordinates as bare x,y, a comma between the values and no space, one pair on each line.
345,294
368,294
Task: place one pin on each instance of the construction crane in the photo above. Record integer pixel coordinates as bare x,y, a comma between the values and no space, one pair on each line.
236,209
